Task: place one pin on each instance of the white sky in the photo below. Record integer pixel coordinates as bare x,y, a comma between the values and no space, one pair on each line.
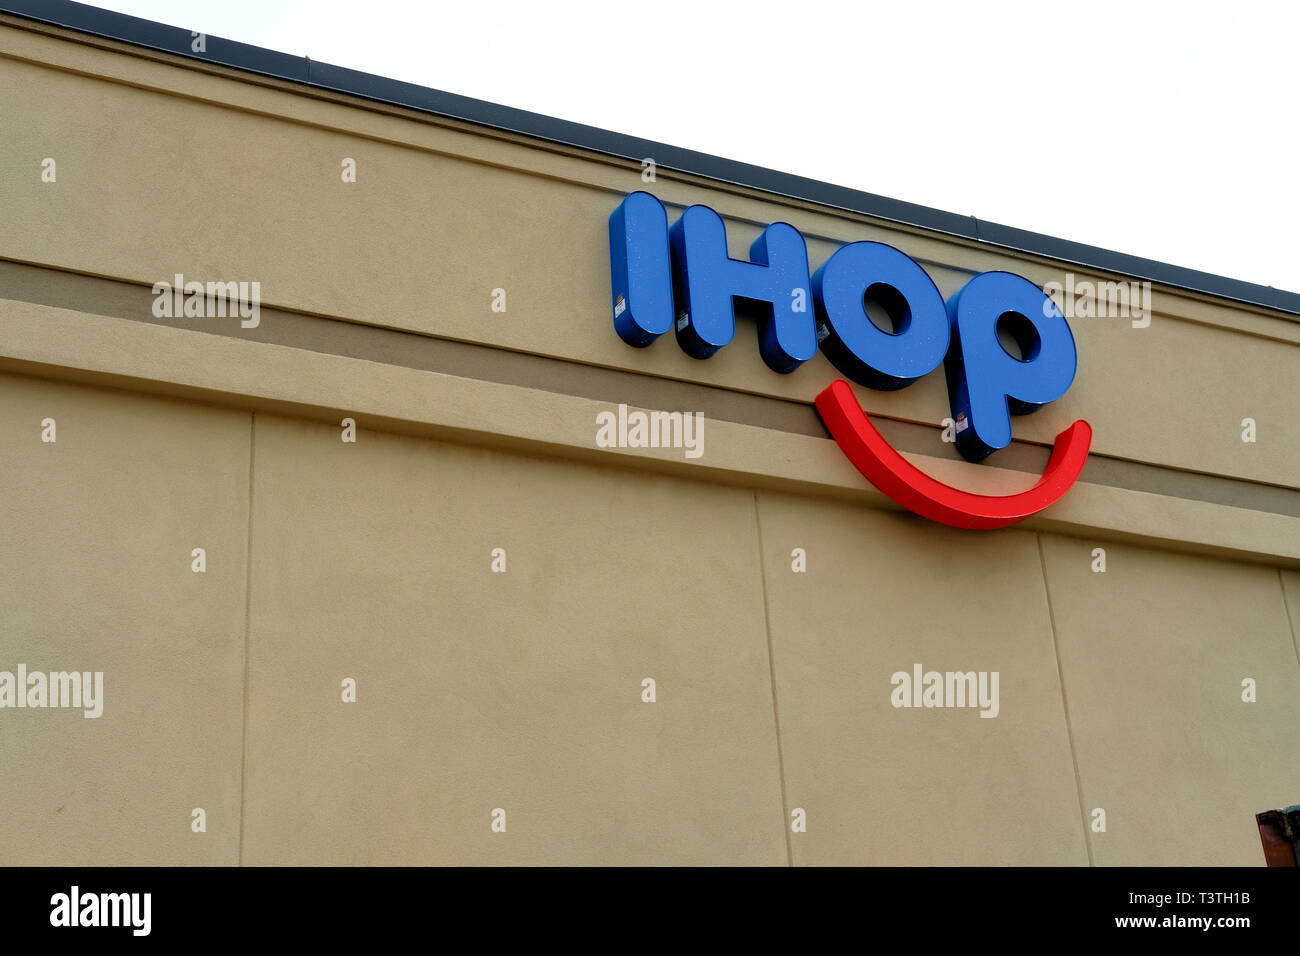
1165,130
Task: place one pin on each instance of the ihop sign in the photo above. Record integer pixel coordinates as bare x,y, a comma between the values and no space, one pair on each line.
682,278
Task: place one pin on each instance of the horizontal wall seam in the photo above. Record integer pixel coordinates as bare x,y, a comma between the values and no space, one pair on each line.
98,350
490,363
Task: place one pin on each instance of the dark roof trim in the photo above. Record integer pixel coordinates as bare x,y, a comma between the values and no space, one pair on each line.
157,36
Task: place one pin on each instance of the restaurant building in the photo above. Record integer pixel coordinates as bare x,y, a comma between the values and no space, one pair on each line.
324,467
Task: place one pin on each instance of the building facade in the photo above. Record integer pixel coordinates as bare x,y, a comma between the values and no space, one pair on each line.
365,586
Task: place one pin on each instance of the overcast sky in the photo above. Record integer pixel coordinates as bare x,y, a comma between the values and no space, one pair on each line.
1166,130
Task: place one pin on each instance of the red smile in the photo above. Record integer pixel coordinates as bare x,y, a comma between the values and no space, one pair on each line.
912,488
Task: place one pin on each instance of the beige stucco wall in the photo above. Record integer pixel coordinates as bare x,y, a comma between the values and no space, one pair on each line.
522,690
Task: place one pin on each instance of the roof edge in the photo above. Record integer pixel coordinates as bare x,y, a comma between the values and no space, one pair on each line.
108,24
